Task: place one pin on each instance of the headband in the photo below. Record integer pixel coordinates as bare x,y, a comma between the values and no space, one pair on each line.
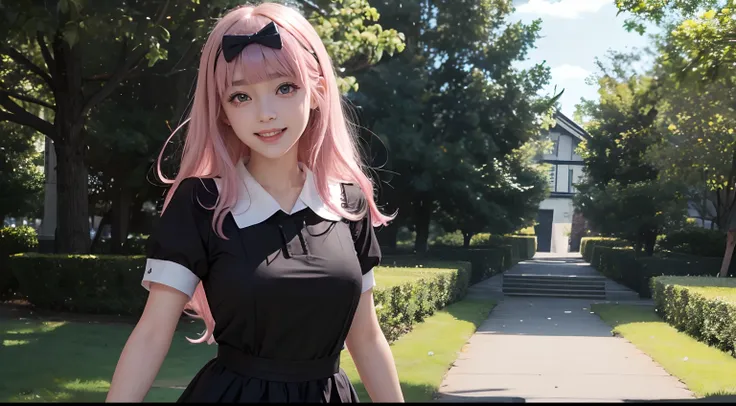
233,45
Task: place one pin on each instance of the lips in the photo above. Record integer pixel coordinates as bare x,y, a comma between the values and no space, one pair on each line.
273,132
270,136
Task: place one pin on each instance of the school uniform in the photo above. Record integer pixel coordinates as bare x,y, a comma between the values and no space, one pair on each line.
283,288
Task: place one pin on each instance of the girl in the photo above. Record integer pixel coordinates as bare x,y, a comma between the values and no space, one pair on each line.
267,231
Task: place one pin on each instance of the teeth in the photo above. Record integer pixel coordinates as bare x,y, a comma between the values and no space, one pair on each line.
271,134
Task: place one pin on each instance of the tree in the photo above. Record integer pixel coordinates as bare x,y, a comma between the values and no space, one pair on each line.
621,193
697,65
506,198
66,47
21,182
451,110
68,56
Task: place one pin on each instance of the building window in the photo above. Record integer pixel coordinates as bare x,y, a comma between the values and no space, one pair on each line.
555,145
569,181
552,177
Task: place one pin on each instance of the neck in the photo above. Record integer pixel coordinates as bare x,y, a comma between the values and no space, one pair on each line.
276,174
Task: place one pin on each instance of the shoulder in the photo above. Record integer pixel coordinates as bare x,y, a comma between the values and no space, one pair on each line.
353,198
195,191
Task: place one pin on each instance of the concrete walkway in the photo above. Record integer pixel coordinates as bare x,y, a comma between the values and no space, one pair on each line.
534,349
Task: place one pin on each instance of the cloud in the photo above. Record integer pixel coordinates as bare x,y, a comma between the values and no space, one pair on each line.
570,9
567,72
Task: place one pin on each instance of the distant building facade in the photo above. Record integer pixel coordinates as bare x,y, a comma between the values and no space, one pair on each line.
558,227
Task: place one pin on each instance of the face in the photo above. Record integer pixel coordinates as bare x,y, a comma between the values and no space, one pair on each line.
270,116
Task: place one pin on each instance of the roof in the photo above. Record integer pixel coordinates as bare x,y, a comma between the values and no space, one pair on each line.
566,124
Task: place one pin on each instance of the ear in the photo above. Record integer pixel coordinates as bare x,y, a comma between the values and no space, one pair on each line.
321,89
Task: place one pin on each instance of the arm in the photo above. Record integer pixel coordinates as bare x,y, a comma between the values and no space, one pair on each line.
147,345
371,353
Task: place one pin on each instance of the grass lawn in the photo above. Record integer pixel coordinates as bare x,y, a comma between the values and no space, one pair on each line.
707,286
705,370
73,361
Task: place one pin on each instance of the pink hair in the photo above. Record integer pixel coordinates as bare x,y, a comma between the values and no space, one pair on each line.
327,147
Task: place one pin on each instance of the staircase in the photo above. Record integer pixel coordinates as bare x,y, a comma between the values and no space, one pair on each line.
570,286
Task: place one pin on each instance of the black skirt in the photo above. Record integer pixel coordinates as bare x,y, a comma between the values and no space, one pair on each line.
231,378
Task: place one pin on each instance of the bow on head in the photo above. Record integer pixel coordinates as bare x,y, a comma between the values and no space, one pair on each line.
268,36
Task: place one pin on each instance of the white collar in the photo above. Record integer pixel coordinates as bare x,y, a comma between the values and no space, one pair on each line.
255,204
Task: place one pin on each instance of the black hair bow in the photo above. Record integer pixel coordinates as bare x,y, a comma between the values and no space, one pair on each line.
268,36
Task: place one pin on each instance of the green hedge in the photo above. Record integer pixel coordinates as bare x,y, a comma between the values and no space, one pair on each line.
523,246
616,263
399,307
621,265
13,240
105,284
485,262
111,285
587,244
695,241
681,303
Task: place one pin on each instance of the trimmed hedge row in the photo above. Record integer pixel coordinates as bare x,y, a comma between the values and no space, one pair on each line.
111,285
588,243
401,306
709,320
523,247
104,284
694,241
621,265
12,241
485,262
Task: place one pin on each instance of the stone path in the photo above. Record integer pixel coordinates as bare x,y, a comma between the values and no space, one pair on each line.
534,349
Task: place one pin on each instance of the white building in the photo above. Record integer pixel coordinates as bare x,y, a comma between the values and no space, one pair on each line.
556,213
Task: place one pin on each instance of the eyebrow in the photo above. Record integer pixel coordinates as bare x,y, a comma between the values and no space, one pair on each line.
269,76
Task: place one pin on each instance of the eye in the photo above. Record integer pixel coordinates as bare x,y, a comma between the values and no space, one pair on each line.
287,88
238,98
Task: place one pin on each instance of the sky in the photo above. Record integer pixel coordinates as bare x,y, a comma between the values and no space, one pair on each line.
574,33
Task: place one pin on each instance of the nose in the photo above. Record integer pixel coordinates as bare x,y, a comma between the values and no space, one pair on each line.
266,112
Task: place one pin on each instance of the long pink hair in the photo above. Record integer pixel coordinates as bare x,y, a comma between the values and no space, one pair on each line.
211,149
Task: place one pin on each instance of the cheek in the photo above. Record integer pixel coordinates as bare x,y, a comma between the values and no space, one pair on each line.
238,117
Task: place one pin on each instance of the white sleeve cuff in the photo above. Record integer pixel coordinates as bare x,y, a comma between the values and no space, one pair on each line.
369,281
170,274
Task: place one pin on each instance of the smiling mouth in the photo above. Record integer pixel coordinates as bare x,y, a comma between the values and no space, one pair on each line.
268,134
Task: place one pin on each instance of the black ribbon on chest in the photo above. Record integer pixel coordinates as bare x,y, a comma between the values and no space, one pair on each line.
292,229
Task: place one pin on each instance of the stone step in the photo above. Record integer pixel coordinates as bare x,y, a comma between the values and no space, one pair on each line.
552,277
567,294
552,288
560,284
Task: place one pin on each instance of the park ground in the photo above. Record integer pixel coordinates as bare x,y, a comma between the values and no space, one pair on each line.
488,347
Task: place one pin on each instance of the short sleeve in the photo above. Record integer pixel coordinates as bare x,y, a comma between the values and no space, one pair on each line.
364,236
176,250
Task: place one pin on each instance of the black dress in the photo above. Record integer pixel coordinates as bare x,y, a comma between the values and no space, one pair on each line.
283,291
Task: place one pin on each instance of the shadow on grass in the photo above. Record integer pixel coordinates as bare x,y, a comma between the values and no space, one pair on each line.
72,361
57,361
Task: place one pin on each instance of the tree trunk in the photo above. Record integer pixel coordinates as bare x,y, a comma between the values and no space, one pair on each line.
466,239
637,244
730,243
72,209
120,218
422,215
650,240
388,235
73,226
103,222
